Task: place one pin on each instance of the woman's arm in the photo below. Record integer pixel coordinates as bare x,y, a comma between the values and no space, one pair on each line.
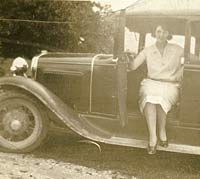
135,63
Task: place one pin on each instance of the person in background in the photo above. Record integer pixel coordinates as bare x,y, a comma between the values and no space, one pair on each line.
160,89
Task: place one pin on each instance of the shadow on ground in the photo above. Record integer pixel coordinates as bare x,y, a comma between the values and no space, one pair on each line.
128,161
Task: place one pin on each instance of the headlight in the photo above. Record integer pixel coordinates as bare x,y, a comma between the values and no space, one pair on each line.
34,64
19,67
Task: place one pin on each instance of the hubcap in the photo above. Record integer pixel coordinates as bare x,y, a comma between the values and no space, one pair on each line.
16,121
16,125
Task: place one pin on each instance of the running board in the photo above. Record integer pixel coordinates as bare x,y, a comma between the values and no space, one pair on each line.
180,148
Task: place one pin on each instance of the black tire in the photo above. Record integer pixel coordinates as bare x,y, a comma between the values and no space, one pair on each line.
23,122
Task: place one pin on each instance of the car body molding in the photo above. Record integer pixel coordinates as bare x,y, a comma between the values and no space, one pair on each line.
98,56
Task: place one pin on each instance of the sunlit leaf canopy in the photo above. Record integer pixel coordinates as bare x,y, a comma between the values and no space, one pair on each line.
27,27
144,15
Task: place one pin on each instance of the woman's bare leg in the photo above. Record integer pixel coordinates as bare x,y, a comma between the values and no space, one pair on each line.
150,115
161,123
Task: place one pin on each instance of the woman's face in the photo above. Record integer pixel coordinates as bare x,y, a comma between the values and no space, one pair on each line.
161,34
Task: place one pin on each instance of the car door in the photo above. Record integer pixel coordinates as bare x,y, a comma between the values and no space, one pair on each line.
111,80
187,131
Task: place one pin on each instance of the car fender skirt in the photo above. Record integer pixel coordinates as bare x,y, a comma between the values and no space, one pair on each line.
51,101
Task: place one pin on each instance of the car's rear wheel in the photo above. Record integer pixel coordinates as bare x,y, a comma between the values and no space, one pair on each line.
23,123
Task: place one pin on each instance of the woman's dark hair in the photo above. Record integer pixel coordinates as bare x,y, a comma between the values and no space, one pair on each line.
165,27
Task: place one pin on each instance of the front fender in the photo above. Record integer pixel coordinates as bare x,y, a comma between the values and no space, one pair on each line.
49,99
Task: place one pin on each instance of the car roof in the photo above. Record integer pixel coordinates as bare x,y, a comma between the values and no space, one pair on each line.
182,8
144,15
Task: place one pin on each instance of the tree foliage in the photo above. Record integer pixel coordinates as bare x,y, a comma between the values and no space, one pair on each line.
81,30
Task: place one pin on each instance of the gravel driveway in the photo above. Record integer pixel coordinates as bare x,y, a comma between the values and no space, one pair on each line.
62,156
15,166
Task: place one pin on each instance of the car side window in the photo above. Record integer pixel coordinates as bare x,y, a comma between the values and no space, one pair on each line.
131,42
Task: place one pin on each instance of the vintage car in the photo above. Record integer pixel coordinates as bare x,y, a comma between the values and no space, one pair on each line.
95,96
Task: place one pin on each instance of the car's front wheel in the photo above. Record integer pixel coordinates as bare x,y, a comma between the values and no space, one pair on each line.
23,123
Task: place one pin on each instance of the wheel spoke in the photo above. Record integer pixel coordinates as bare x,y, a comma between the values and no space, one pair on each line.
27,134
18,138
2,114
5,134
1,127
14,137
30,129
1,132
11,108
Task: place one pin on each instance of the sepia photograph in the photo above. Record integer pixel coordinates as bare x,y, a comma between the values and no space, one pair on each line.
99,89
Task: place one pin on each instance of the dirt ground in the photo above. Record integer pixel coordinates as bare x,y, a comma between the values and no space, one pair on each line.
63,156
27,166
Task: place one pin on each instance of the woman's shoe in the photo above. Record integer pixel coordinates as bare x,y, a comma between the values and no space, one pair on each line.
163,143
151,150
